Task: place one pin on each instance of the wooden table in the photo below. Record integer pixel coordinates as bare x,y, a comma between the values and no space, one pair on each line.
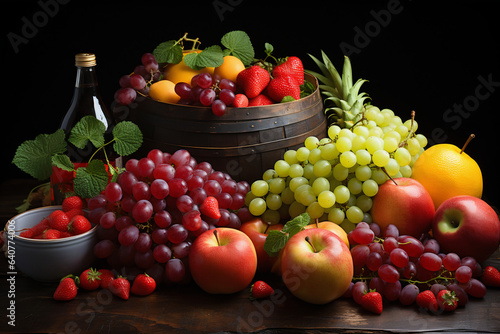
187,309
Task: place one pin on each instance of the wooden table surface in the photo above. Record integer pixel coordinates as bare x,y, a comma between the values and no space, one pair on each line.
187,309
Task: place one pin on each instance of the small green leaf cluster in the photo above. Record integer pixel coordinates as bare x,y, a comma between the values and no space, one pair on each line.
236,43
36,157
276,240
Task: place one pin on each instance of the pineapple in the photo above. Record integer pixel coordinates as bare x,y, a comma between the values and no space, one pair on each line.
344,105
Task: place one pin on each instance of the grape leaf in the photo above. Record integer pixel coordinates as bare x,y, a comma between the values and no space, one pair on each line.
87,128
62,161
211,56
128,138
239,45
35,156
91,180
168,52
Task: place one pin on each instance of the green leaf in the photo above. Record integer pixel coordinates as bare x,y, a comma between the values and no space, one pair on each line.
62,161
35,156
87,128
128,138
239,45
275,241
168,52
287,98
91,180
297,224
268,48
209,57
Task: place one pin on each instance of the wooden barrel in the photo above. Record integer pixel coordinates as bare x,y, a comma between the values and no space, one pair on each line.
244,142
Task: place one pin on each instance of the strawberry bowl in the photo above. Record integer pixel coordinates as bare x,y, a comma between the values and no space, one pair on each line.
48,260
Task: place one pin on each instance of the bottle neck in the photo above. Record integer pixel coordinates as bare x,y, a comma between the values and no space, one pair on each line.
85,77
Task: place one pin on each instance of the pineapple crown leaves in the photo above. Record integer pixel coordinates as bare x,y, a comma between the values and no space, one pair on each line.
344,102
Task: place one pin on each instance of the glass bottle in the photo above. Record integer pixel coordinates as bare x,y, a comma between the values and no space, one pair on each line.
86,101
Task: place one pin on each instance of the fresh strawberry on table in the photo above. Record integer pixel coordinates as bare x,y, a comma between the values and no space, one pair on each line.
143,285
106,277
491,277
372,301
90,279
447,300
427,300
67,289
253,80
120,287
261,289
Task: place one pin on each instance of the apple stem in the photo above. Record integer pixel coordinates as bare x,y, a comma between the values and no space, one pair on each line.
216,236
317,223
383,169
472,136
267,227
310,243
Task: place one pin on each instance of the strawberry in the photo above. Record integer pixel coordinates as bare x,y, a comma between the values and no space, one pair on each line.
260,100
283,86
64,234
253,80
491,277
51,234
427,300
106,277
143,285
72,202
261,289
210,207
73,212
78,225
372,301
240,101
291,67
58,220
90,279
120,287
67,289
447,300
36,230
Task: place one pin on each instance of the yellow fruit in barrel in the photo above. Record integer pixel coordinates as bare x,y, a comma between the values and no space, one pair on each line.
163,91
230,68
446,171
182,73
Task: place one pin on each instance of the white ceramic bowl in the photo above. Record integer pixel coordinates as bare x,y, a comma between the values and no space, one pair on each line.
49,260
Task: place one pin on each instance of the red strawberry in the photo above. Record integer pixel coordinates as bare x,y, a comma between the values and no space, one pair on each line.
283,86
491,277
291,67
447,300
427,300
372,301
106,277
64,234
210,207
260,100
72,202
66,290
120,287
73,212
58,220
253,80
261,289
90,279
36,230
240,101
78,225
143,285
51,234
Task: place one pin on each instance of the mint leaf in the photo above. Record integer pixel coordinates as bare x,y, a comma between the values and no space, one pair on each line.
62,161
287,98
87,128
128,138
239,45
91,180
275,241
35,156
297,224
209,57
168,52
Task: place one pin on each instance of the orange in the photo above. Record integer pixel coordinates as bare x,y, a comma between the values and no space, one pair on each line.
182,73
445,172
230,68
164,91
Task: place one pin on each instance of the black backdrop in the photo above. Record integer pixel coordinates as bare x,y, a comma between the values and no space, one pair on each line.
440,59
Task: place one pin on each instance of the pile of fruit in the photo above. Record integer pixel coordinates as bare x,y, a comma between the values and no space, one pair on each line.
230,77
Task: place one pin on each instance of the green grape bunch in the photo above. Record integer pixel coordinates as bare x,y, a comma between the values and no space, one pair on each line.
336,177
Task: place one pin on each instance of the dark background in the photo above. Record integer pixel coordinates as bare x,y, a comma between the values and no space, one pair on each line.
422,56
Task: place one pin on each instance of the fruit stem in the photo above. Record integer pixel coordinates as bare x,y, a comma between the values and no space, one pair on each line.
216,237
472,136
383,169
317,223
310,243
267,227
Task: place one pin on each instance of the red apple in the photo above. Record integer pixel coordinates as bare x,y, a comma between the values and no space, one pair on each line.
317,266
467,226
222,260
406,204
257,231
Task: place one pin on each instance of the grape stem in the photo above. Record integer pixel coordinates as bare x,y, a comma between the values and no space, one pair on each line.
185,38
411,132
413,281
472,136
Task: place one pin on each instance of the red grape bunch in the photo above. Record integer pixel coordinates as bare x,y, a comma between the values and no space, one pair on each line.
149,218
400,267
